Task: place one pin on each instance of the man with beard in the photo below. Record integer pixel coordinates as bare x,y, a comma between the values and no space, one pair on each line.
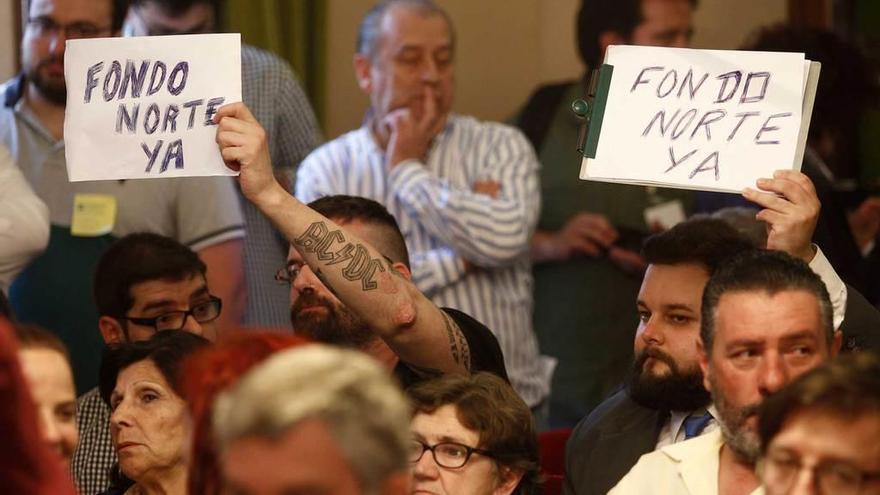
413,354
765,320
202,213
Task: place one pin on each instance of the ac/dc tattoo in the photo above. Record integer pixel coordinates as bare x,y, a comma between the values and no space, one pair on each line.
318,239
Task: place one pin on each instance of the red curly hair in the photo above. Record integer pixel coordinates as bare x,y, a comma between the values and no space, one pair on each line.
210,371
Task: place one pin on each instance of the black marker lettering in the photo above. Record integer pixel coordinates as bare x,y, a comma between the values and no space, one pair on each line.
152,110
753,99
170,117
689,79
675,162
115,69
742,118
716,115
173,152
91,80
678,130
151,154
156,85
725,78
213,105
701,168
664,126
136,79
192,105
674,75
129,119
639,79
770,128
181,70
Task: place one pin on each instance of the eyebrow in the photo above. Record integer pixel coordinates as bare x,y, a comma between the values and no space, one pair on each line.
159,304
668,307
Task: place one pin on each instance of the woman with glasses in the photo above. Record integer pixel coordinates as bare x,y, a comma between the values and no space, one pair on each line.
472,435
149,425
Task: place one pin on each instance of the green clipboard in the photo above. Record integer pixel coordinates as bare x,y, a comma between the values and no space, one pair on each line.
591,110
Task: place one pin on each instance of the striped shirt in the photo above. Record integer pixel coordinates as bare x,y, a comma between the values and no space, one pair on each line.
445,223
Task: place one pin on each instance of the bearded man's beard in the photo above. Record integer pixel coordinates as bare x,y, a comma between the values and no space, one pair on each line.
336,325
678,390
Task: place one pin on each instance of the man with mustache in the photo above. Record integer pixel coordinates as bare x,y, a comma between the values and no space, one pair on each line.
765,320
464,191
202,213
664,401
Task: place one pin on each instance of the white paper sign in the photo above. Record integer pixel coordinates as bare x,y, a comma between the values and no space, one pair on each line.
699,119
141,107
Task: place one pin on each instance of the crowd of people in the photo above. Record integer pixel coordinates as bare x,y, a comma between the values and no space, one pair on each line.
410,307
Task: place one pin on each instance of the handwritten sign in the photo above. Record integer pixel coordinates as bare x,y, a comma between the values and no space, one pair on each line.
699,119
142,107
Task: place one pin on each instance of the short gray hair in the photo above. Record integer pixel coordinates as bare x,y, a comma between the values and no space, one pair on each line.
346,390
371,26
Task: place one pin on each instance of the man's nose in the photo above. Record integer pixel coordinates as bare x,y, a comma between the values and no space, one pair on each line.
773,375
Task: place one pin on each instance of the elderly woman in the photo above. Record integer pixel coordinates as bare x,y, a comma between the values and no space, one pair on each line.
46,367
149,424
472,435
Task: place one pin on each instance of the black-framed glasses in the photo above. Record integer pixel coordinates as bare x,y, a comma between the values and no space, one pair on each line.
175,320
450,455
780,469
47,26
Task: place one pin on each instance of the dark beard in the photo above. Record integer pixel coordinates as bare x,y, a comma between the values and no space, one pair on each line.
338,326
677,391
55,93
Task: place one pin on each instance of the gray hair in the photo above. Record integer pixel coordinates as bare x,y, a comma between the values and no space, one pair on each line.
371,26
346,390
768,271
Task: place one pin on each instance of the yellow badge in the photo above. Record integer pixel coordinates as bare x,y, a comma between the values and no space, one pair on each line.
93,215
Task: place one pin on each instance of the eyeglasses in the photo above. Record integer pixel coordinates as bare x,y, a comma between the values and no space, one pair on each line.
44,26
780,469
449,455
175,320
287,274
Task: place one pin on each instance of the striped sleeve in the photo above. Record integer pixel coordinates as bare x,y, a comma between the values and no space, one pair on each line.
487,231
312,177
434,269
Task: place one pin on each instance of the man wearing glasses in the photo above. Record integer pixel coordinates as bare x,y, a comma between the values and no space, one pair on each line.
144,283
201,213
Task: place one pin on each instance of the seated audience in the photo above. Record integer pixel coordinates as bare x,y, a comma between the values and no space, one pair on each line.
207,373
662,400
144,283
481,437
149,425
823,431
465,192
765,320
314,419
46,366
349,272
24,221
27,465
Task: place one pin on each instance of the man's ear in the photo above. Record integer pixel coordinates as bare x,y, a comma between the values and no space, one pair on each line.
836,343
362,67
402,269
111,330
509,479
704,363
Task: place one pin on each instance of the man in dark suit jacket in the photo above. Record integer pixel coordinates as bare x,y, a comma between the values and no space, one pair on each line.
664,389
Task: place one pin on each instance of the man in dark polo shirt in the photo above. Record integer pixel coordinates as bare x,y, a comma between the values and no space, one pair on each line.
316,312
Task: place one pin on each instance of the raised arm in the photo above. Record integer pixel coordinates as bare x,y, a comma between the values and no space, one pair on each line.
361,277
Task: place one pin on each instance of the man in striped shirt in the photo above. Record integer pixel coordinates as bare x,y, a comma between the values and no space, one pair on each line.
464,192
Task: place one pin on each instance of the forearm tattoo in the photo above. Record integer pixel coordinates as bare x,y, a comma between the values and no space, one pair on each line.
458,345
359,266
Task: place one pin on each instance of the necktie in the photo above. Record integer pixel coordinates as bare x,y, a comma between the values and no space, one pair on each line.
693,425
